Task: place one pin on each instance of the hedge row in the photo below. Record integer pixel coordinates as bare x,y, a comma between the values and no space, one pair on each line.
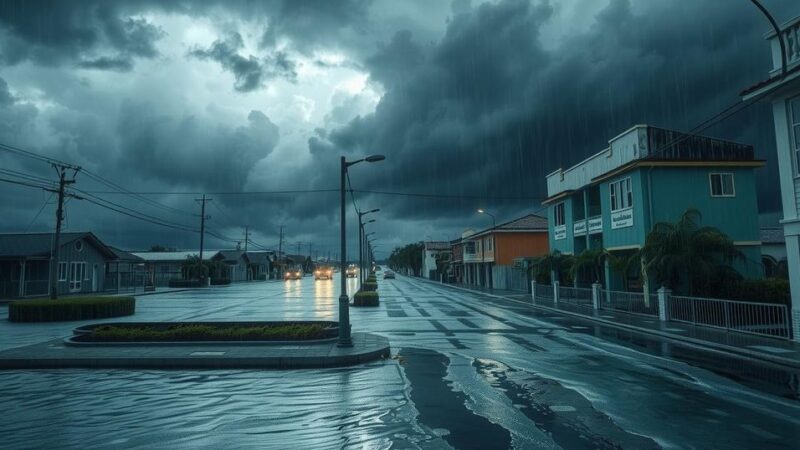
366,298
769,290
74,308
369,287
180,283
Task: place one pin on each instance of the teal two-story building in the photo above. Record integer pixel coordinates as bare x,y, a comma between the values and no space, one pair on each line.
648,175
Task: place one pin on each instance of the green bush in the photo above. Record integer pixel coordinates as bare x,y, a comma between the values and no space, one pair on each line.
769,290
366,298
220,281
206,332
71,308
369,286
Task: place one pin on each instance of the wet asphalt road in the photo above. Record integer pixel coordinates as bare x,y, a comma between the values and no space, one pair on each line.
468,371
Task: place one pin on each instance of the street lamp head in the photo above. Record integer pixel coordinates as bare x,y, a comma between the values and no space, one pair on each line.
370,221
374,158
481,210
374,210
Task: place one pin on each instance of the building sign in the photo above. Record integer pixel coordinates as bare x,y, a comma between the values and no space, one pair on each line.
579,228
596,225
560,232
622,219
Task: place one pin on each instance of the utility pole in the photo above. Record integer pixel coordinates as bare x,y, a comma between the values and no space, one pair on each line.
62,182
246,238
203,218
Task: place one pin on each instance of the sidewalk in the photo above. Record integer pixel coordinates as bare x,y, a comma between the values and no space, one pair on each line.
777,351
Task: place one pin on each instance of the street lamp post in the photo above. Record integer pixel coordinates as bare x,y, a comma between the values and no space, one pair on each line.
344,301
361,276
483,247
367,248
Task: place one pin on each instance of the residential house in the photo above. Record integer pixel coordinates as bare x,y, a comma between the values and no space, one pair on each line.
164,266
489,255
260,264
25,264
457,261
237,263
431,252
648,175
782,89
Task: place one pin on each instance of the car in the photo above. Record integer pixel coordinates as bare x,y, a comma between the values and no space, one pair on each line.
293,274
388,275
351,272
323,273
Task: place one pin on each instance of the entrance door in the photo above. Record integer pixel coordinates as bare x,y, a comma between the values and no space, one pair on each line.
76,272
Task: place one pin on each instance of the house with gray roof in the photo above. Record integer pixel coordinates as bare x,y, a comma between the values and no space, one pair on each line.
25,264
164,266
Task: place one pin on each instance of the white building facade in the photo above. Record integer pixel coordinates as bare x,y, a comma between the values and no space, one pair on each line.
782,89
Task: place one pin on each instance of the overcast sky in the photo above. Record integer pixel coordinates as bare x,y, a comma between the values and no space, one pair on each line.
465,98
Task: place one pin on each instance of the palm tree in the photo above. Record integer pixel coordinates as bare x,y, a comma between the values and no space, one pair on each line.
685,254
592,260
554,262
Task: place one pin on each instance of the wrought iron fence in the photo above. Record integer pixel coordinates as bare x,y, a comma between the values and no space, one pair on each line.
766,319
630,302
575,296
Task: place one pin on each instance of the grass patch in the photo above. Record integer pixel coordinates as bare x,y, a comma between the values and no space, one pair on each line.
204,332
366,298
70,308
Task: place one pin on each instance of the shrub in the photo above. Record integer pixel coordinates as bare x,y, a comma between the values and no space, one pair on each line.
220,281
769,290
208,332
75,308
366,298
369,286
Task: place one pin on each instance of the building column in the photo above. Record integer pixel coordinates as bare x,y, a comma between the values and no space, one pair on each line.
607,270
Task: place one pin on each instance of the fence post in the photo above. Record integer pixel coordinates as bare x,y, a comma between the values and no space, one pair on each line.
556,285
533,291
663,301
596,295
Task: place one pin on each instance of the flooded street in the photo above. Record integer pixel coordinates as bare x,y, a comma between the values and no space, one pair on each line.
467,372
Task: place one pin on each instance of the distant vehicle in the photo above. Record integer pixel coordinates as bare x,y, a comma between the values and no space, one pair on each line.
323,273
293,274
388,275
351,272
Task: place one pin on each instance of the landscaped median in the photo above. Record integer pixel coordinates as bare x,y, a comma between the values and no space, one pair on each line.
366,298
205,332
70,308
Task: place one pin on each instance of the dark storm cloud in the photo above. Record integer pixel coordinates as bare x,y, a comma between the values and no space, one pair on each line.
5,95
250,72
490,111
94,34
189,151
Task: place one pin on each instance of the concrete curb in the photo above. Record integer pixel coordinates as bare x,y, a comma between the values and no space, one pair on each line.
54,355
697,343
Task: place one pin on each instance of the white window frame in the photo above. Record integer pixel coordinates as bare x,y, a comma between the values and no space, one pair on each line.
721,184
559,214
489,244
467,248
794,131
620,194
62,271
77,271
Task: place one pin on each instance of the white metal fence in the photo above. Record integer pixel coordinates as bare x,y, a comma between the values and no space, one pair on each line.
575,296
543,293
630,302
767,319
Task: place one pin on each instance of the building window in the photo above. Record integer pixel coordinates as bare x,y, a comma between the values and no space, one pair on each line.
62,271
469,248
77,270
489,244
621,194
558,213
794,131
78,245
721,185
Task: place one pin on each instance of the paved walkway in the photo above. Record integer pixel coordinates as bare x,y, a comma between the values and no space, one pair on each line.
767,349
